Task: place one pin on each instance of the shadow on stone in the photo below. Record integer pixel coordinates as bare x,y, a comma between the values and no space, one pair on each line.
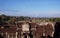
49,36
57,30
1,36
43,36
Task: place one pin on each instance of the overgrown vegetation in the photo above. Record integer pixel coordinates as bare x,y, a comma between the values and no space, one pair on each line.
12,19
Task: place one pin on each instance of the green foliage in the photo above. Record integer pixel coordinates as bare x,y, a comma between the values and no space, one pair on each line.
54,19
13,19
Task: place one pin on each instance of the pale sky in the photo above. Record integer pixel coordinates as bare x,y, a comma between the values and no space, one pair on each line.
32,8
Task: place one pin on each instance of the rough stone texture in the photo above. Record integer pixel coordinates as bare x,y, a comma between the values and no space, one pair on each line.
37,30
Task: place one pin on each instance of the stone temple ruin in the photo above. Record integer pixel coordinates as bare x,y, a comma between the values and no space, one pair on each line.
27,30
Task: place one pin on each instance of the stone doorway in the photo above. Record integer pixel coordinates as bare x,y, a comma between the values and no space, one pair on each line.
27,35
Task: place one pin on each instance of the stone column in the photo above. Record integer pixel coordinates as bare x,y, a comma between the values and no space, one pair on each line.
12,35
16,34
2,33
27,36
22,36
8,36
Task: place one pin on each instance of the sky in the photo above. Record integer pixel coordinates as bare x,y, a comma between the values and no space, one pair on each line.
32,8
